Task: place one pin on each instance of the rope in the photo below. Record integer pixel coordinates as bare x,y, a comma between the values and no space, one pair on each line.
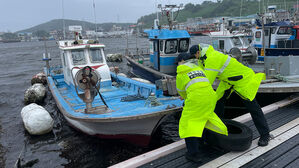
152,101
284,79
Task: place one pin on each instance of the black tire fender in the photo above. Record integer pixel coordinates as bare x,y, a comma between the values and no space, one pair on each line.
239,137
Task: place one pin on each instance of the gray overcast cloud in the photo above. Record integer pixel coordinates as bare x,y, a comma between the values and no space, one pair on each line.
21,14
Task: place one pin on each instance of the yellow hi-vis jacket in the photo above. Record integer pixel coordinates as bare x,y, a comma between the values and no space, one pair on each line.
231,73
200,101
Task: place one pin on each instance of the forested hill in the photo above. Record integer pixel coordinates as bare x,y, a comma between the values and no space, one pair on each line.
209,9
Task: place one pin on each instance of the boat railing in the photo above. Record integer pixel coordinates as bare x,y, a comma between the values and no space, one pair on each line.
137,51
135,87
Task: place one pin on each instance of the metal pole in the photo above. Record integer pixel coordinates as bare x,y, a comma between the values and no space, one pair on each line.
240,15
263,37
259,6
47,58
95,19
127,50
137,42
63,20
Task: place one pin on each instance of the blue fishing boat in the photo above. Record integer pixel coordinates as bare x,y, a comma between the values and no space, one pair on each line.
281,39
102,103
165,44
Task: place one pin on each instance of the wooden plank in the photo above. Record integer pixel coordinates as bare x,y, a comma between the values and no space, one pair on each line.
163,151
236,159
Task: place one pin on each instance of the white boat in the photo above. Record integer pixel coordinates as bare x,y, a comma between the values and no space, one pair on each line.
235,43
83,91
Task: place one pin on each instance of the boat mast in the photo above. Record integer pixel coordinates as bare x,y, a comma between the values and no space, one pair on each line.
240,15
168,11
262,16
63,20
95,19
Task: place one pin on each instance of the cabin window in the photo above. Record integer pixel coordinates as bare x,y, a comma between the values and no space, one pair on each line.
221,44
266,32
171,46
95,56
184,45
63,59
161,45
273,30
236,41
78,57
258,34
156,46
246,41
284,30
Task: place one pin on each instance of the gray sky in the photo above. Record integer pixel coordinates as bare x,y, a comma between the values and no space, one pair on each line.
21,14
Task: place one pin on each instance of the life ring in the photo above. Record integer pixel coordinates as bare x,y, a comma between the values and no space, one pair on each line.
239,137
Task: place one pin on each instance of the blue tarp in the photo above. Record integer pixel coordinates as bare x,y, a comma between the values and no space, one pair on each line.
166,34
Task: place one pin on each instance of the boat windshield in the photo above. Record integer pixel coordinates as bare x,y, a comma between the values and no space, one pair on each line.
184,45
236,41
285,30
171,46
95,56
245,41
78,57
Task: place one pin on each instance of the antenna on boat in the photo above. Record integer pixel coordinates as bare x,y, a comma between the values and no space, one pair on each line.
95,19
63,19
240,15
168,11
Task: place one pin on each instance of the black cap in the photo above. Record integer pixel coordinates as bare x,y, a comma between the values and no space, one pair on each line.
183,56
193,49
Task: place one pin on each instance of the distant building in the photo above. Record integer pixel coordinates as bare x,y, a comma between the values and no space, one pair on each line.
25,36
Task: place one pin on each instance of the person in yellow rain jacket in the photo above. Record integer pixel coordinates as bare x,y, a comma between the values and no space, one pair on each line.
233,76
200,100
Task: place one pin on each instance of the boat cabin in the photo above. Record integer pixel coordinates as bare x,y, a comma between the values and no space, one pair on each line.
165,46
76,54
225,41
277,35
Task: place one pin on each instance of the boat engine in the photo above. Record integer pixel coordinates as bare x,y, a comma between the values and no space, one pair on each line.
249,56
88,81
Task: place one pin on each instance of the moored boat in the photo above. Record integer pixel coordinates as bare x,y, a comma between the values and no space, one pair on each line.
102,103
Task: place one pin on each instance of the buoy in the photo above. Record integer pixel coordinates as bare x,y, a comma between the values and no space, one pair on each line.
115,57
39,78
36,119
142,80
35,93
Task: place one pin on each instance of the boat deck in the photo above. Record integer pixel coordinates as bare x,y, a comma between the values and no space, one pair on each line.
282,151
128,100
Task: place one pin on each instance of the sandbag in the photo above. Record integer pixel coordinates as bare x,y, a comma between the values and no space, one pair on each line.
35,93
36,119
39,78
114,57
